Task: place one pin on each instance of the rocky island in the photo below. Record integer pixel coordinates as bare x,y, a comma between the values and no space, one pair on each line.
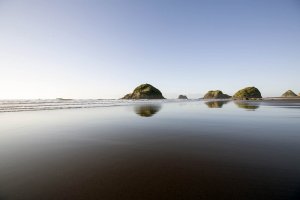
289,93
182,97
248,93
216,94
145,91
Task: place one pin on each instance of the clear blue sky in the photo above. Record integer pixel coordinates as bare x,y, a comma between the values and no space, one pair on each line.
104,49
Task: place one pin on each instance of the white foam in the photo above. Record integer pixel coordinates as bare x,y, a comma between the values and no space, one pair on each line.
54,104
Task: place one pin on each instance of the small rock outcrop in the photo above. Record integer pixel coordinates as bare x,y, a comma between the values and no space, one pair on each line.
216,94
248,93
145,91
182,97
289,93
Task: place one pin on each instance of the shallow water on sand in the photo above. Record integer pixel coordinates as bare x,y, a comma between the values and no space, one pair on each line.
153,150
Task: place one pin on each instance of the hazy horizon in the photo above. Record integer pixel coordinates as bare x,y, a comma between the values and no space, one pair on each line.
104,49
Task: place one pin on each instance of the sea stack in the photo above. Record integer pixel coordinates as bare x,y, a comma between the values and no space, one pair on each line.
248,93
289,93
216,94
182,97
145,91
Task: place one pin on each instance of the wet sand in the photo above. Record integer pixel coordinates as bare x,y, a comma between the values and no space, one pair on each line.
183,150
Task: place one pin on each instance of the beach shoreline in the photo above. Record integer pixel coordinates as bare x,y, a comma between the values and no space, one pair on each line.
179,150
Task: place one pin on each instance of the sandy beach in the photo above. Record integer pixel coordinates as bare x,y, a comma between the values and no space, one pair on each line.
154,150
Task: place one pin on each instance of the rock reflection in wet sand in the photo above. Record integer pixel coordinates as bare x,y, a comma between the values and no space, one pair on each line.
216,104
251,106
147,110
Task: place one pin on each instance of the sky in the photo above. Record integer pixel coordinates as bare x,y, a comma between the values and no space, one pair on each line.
105,48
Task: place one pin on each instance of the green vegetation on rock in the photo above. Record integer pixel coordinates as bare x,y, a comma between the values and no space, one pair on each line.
248,93
216,94
182,97
289,93
144,91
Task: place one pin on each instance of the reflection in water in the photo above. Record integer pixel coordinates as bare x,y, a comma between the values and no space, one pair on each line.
216,104
147,110
247,105
184,152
